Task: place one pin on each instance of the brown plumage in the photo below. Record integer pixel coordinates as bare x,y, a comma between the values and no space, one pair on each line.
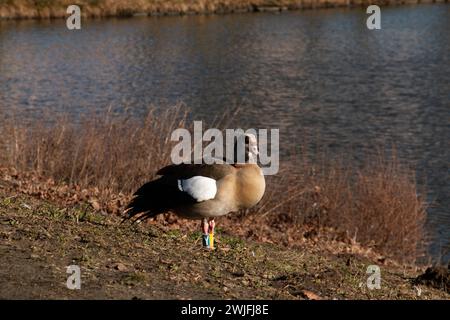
201,191
238,187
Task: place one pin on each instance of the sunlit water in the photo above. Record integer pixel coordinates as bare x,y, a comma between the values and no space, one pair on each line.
317,71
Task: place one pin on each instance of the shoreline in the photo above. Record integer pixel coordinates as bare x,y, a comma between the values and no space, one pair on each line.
43,9
377,204
40,233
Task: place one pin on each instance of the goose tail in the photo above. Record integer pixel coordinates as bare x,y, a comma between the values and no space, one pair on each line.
155,197
148,201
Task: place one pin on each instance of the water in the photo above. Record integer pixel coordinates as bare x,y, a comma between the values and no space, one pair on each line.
312,71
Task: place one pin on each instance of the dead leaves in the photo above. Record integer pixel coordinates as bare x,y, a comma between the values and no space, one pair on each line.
62,193
309,295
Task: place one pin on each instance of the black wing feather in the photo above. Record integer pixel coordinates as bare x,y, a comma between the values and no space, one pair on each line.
156,197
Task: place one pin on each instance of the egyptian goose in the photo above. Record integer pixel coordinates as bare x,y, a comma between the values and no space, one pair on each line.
202,191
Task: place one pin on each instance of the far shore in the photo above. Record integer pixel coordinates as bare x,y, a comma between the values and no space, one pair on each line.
45,9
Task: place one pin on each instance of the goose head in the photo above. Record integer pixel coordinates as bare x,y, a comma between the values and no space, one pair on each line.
251,148
249,145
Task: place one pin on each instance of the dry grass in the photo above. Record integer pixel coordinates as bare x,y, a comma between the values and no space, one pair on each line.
376,205
103,8
112,152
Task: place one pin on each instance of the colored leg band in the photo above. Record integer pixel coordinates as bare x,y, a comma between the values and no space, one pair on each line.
205,240
211,241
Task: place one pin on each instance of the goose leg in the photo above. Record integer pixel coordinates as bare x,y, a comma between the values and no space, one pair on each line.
205,230
212,224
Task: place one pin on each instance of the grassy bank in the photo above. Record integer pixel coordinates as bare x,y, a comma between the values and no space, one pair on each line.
103,159
107,8
39,239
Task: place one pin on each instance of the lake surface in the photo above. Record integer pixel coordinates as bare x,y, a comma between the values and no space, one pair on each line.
319,71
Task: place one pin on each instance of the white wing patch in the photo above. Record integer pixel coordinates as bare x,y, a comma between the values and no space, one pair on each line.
198,187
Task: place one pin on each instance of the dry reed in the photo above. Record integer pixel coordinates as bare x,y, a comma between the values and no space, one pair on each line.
44,9
376,205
